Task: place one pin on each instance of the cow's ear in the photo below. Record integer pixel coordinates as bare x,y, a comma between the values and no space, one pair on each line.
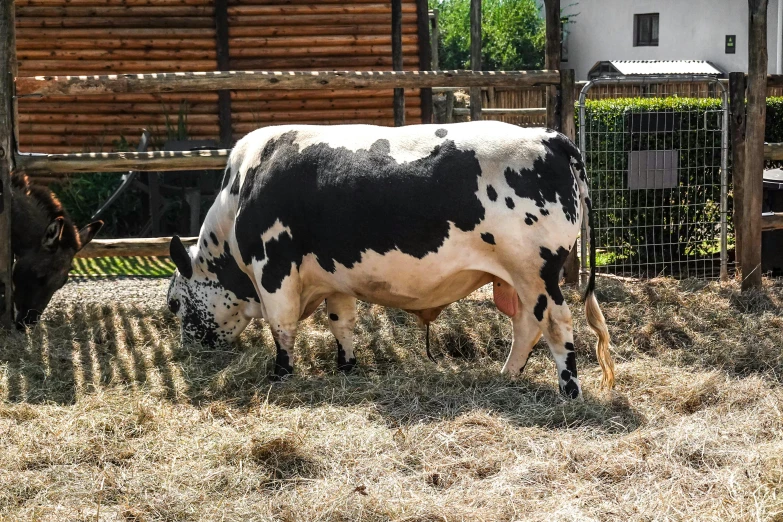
179,254
53,233
87,233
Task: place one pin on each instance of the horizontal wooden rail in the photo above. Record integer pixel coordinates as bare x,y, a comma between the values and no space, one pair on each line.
533,111
122,161
244,80
771,221
773,151
156,246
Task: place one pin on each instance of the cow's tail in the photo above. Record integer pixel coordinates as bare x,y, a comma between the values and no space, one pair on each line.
595,318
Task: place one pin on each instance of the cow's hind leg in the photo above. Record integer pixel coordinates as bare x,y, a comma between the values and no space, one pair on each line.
283,323
546,304
341,310
526,335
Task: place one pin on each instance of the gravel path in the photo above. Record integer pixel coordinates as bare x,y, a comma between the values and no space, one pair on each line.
127,290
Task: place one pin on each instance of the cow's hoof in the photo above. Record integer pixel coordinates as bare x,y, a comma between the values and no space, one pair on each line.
281,374
571,390
344,366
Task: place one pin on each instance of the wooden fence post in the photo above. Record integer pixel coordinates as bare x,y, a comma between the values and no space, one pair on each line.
224,96
475,57
396,34
425,57
754,145
552,60
568,127
7,149
737,133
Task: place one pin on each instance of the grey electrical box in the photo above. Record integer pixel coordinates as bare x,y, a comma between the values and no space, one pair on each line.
653,169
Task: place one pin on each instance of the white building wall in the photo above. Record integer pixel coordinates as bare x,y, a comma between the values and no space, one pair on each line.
688,30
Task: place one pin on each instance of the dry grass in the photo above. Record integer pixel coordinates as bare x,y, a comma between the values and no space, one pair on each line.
104,417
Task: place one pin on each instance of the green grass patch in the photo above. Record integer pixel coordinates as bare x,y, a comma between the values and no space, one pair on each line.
122,266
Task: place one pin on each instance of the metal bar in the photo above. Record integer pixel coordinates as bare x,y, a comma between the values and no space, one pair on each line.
737,106
7,147
583,150
251,80
724,188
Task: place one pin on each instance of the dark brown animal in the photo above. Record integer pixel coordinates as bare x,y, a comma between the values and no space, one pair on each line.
44,241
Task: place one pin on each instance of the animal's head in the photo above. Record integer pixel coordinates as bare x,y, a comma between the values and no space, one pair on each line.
209,313
42,268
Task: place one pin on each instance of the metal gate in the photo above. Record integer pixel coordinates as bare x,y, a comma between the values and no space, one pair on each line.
656,152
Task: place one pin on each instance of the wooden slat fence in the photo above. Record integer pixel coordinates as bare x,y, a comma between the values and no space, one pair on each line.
75,37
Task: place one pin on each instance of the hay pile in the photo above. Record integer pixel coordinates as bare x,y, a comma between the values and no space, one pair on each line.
105,417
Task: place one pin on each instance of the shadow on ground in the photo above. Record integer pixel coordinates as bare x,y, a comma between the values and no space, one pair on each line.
84,347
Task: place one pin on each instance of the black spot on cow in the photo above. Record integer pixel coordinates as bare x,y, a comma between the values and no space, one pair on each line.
550,272
488,238
550,180
339,204
510,203
441,133
530,218
204,242
569,347
200,259
492,193
214,238
226,178
234,190
230,276
333,317
544,211
571,361
540,308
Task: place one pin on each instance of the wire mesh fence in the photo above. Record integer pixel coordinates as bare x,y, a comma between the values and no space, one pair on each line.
657,164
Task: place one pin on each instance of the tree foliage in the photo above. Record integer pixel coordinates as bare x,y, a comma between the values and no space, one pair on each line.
513,34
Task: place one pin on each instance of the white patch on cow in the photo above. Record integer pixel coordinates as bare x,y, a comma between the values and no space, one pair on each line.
275,231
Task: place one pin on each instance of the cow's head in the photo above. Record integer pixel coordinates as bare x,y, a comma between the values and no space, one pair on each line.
209,313
42,269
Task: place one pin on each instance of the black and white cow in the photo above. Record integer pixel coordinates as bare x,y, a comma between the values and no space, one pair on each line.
413,217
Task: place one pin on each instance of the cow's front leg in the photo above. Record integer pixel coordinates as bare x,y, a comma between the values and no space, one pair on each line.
284,334
341,310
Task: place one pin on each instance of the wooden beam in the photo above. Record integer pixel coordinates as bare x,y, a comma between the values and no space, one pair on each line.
773,151
7,148
475,57
252,80
754,145
157,246
737,133
568,127
772,221
434,43
533,111
396,34
122,161
425,56
222,48
552,60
